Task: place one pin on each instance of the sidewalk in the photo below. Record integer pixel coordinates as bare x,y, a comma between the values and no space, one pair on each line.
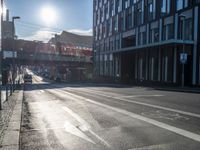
10,120
157,87
179,89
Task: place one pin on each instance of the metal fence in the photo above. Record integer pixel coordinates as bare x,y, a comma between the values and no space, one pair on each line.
5,92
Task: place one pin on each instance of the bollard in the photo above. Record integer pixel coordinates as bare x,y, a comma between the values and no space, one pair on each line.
6,93
11,89
0,100
18,84
15,86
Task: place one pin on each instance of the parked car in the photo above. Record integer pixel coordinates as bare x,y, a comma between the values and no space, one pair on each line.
27,78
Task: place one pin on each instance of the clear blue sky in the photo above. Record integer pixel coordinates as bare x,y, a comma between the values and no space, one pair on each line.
71,15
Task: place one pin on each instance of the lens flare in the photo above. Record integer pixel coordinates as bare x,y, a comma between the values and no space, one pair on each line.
48,15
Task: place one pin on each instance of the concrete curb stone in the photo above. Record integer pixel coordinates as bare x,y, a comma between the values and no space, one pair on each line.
12,133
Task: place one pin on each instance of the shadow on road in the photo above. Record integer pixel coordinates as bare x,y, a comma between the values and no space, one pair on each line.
43,86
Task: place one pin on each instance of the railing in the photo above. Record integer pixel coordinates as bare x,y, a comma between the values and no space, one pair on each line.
5,92
54,57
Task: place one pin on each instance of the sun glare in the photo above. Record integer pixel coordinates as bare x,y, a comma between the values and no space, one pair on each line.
48,15
4,10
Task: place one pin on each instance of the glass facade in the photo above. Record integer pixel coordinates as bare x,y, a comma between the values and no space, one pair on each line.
113,17
136,25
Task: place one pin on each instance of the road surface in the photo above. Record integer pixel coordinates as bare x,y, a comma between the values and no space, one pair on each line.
106,117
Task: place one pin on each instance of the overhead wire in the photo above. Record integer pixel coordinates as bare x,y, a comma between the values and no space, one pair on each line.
39,26
23,26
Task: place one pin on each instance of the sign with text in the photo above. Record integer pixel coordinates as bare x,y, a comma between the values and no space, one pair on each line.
9,54
183,58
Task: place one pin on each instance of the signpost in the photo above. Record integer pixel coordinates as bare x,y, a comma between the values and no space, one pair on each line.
9,54
183,58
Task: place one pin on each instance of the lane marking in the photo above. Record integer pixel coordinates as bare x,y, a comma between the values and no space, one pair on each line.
146,104
75,131
83,127
185,133
137,96
77,117
152,147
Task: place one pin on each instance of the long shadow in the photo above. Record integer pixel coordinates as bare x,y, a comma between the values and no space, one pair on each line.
54,85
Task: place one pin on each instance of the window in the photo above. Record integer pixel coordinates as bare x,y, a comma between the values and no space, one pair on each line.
117,7
126,4
168,32
128,19
188,31
180,4
129,41
104,30
107,28
165,7
115,24
121,22
106,12
117,43
151,10
111,45
140,12
111,8
154,35
142,38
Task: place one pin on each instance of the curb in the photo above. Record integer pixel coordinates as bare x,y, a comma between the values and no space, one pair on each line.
179,90
12,133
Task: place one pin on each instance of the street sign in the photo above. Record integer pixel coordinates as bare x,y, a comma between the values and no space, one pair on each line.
9,54
183,58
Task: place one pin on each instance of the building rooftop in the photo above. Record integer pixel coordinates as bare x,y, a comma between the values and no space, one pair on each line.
72,39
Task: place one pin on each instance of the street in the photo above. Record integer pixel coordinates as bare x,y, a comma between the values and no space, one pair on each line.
108,117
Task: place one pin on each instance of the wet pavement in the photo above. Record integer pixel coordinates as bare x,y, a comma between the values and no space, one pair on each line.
6,113
100,117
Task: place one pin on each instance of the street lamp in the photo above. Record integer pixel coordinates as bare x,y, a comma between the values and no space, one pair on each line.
182,17
13,29
1,49
13,47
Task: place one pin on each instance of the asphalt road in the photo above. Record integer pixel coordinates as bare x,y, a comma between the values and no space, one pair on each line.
108,117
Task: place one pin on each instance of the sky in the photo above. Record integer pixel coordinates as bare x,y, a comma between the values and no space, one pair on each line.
41,19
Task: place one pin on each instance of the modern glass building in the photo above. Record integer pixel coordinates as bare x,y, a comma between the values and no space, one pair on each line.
147,40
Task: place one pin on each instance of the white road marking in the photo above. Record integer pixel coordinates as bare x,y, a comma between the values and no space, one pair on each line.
146,104
98,137
185,133
152,147
83,127
137,96
75,131
77,117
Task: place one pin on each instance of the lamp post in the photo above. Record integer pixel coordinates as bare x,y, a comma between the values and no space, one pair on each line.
1,55
13,30
13,47
182,17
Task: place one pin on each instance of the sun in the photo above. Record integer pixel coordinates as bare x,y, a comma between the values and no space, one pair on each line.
4,9
48,15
